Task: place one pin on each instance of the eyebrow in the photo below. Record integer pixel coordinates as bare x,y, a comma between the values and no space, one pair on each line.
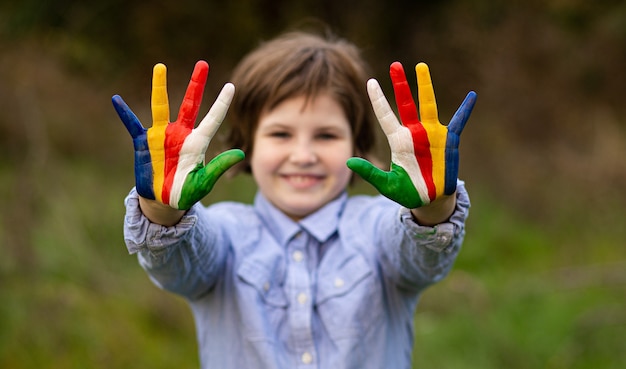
274,125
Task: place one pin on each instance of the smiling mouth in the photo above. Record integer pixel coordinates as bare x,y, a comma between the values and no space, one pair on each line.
302,181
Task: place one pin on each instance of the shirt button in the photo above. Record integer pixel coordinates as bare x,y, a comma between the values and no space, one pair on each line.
307,358
302,298
266,286
339,282
297,256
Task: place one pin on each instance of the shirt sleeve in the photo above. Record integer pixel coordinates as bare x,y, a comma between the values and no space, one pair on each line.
141,235
426,254
184,258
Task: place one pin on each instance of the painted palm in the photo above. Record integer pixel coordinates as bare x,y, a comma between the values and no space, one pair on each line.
169,157
424,153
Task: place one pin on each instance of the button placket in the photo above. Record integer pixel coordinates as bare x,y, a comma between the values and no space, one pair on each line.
299,292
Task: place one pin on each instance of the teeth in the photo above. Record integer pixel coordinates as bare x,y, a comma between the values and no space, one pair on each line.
301,179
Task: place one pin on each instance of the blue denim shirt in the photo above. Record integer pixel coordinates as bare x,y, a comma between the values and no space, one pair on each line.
337,289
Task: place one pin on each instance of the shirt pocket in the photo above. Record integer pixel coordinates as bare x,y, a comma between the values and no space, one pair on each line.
260,278
262,302
349,301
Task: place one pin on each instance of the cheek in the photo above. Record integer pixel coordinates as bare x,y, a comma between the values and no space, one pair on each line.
339,162
264,158
256,164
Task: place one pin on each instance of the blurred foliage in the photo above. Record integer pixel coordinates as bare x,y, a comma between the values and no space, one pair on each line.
540,282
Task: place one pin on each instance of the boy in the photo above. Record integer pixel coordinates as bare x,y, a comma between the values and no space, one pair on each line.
305,277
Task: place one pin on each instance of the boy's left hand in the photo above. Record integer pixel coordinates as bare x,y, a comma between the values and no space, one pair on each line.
424,154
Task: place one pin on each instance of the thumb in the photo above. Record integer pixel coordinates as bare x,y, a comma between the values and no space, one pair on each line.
199,183
395,184
367,171
222,162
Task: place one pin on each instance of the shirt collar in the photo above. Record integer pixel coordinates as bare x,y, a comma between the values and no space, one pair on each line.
322,224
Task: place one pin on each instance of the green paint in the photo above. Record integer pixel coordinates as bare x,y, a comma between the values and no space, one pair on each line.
201,179
395,184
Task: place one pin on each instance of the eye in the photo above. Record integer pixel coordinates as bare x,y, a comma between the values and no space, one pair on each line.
279,134
327,136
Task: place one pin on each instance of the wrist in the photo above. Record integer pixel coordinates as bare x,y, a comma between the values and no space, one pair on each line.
436,212
160,213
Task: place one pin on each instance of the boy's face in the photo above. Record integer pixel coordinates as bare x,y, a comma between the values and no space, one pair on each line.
299,154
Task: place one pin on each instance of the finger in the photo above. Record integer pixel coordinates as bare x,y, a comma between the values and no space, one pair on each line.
460,118
452,166
156,134
404,97
127,116
211,122
387,119
426,95
193,96
160,104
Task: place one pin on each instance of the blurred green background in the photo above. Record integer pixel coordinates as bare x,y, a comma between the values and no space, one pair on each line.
541,280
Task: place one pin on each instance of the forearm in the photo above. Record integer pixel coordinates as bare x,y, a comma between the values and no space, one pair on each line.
428,253
159,213
185,258
436,212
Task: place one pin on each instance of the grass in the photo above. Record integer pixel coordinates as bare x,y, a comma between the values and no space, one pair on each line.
517,298
522,295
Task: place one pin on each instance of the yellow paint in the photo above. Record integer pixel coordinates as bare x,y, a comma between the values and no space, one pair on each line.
437,133
156,134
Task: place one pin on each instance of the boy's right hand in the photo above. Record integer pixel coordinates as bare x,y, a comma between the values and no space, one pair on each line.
169,157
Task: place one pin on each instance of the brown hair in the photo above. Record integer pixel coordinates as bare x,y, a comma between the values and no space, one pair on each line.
300,64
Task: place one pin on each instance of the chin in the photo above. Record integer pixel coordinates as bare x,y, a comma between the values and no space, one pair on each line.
300,212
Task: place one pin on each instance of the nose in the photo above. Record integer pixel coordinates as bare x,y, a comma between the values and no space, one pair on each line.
303,153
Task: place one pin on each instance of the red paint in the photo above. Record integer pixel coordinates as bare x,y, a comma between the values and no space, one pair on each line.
410,119
177,132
